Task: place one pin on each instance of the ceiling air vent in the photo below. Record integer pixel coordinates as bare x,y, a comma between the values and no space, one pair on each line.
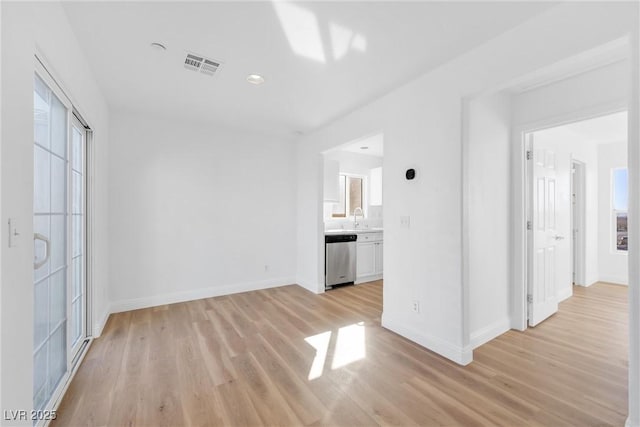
201,64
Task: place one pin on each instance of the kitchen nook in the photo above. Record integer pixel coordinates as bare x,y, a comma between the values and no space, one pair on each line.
352,214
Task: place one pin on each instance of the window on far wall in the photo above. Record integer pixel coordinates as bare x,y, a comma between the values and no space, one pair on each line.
620,207
350,196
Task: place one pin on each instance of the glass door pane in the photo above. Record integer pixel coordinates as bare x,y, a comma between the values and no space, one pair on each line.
50,243
77,329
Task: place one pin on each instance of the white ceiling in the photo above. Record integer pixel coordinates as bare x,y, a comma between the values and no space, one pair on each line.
372,145
600,130
320,59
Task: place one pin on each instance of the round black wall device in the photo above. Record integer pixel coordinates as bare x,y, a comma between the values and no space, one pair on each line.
410,174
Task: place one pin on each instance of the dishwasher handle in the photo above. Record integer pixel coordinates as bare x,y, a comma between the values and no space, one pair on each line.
340,238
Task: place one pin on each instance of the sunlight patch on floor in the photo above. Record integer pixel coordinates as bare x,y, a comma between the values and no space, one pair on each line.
321,343
350,346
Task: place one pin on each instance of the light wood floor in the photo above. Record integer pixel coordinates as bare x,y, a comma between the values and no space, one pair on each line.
243,360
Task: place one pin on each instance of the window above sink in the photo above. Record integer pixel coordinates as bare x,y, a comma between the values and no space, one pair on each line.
350,197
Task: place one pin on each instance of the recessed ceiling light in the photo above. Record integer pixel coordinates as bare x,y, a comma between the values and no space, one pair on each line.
364,148
158,46
255,79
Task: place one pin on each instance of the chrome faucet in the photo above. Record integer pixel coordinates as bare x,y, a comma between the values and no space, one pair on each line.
355,216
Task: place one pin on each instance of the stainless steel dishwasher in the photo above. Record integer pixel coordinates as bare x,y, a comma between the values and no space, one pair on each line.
340,259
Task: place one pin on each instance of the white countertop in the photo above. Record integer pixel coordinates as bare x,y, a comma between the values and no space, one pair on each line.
352,231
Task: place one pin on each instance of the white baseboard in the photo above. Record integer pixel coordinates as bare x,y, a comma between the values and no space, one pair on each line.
195,294
460,355
567,293
365,279
586,285
311,287
102,321
489,332
615,280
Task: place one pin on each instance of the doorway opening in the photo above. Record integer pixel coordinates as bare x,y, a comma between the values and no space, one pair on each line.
575,209
352,207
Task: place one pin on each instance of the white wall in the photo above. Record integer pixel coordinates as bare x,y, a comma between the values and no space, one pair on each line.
422,126
197,211
1,234
25,28
586,93
489,203
354,163
633,419
588,154
613,266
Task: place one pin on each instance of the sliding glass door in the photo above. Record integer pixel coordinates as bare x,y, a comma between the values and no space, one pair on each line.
77,296
59,239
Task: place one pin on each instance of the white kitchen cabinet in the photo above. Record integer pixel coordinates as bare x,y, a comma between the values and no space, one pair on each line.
369,237
366,260
331,181
375,187
369,257
378,269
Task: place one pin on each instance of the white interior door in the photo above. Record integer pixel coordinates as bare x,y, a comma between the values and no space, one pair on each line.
545,257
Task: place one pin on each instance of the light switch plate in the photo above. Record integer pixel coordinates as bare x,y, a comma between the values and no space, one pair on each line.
14,233
405,221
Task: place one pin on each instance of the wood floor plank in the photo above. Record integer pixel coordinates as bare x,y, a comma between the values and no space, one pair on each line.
284,356
307,407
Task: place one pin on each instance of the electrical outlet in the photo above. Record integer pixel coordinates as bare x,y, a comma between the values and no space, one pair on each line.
405,221
416,306
266,268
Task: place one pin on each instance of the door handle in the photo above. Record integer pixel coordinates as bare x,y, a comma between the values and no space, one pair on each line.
557,237
47,250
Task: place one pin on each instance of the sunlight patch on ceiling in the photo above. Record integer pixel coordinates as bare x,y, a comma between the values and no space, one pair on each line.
343,39
301,28
314,39
359,43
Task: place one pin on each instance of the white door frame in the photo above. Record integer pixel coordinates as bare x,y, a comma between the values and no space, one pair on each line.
521,200
578,221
